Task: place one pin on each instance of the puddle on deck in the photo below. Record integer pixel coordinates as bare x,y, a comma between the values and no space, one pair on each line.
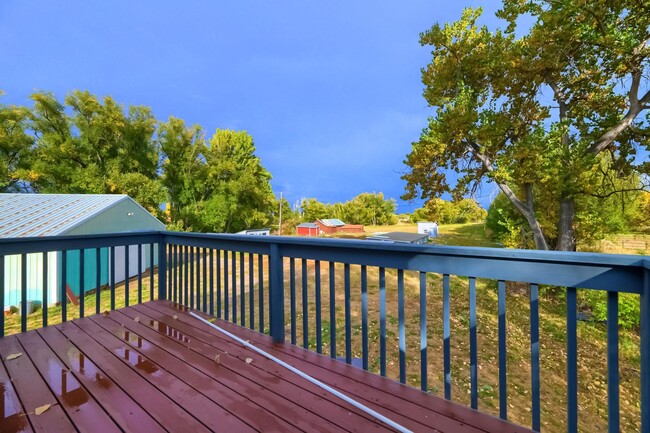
11,418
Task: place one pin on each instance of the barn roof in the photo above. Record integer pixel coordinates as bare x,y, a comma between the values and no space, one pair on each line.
332,222
308,225
29,215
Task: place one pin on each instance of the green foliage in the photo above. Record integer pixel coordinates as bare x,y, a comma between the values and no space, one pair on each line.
494,120
15,148
99,149
366,208
446,212
629,308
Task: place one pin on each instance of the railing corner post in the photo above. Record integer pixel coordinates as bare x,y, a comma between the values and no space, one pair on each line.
276,294
645,349
162,268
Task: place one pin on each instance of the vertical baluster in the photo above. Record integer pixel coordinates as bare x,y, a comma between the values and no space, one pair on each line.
382,321
211,281
175,271
226,282
319,333
332,310
446,331
348,314
23,293
305,306
219,284
171,268
126,275
45,289
424,385
82,282
151,264
260,277
192,276
534,356
2,295
162,269
276,294
205,280
364,317
644,333
197,276
613,405
503,390
251,292
242,296
112,270
473,355
98,279
186,280
233,275
292,294
181,275
572,359
402,326
64,282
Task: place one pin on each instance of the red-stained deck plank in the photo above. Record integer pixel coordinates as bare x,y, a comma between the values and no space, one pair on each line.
32,390
12,419
204,339
210,414
387,393
158,373
279,393
76,401
161,407
120,406
240,376
186,368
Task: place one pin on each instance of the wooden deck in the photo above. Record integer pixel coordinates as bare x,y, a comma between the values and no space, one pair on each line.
151,368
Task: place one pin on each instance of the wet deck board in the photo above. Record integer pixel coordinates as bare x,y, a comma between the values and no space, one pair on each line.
151,367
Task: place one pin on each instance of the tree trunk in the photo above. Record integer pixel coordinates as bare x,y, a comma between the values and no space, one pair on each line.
528,212
566,236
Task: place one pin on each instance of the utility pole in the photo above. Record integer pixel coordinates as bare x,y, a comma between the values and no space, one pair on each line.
280,228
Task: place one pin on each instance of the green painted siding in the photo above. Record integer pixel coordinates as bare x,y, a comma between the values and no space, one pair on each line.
73,265
124,216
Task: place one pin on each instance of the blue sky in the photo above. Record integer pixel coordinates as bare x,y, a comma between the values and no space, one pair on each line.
330,91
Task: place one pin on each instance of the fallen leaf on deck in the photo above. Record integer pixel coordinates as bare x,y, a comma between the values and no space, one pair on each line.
217,359
106,313
249,360
137,319
175,317
13,356
212,319
39,410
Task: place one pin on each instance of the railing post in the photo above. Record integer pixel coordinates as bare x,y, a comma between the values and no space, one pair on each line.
276,294
162,268
645,349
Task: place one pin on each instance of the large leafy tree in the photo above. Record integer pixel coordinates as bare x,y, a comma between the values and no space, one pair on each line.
99,148
545,116
15,149
184,171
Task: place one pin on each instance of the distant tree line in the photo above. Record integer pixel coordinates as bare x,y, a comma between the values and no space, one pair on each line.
461,211
366,208
85,144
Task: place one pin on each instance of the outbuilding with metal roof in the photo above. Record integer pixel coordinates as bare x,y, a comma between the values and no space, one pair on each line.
34,215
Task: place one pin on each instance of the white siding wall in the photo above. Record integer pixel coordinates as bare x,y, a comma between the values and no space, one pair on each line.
13,280
133,262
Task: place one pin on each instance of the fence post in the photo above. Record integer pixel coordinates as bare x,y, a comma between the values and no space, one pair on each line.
162,268
645,349
276,294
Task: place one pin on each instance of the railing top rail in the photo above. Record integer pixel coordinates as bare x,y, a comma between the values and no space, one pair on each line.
10,246
584,270
597,259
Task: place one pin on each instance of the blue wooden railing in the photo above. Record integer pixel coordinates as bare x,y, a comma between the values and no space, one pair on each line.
256,282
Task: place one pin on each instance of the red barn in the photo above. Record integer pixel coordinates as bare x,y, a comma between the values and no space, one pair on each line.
307,229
